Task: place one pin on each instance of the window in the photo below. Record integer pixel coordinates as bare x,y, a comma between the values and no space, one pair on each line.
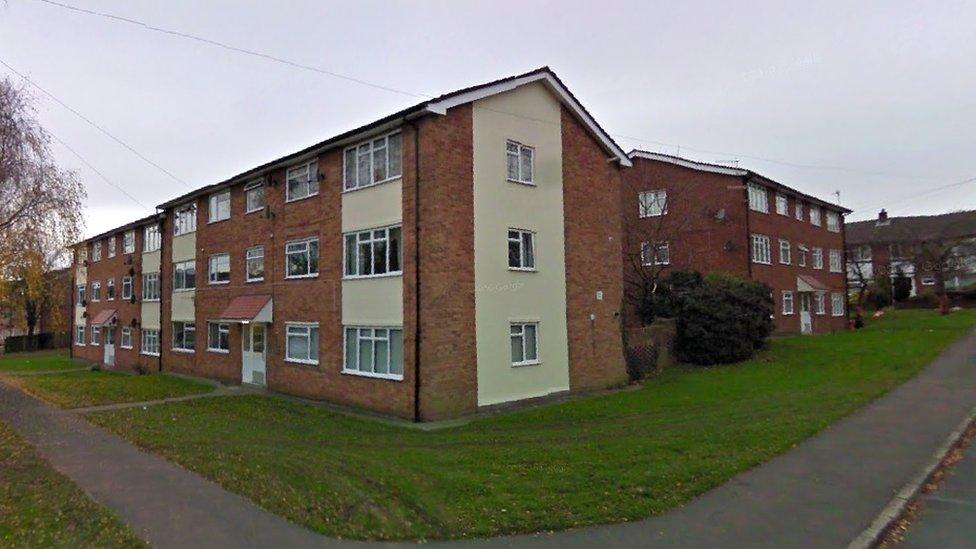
655,253
126,287
96,335
782,204
125,337
928,281
818,258
81,295
302,258
787,302
150,342
376,352
374,252
96,291
799,210
151,238
80,336
760,249
82,255
254,196
758,199
302,181
835,261
521,250
837,304
129,242
815,215
784,252
653,203
820,303
525,343
220,269
184,275
184,334
302,342
833,222
150,287
254,264
185,219
862,252
372,162
521,162
110,289
220,206
218,337
801,255
111,246
97,251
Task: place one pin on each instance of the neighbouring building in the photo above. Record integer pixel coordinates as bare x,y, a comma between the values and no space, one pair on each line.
926,248
684,214
459,254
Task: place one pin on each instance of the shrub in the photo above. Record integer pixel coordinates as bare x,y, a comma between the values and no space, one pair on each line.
665,300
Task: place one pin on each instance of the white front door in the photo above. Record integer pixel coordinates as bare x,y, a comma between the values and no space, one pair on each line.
253,342
109,345
806,322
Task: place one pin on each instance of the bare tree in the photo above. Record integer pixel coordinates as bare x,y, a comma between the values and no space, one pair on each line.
861,272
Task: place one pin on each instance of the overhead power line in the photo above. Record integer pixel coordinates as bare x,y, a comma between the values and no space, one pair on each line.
96,170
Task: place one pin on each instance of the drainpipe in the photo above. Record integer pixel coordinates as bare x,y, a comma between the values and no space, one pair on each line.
745,195
162,294
416,270
847,283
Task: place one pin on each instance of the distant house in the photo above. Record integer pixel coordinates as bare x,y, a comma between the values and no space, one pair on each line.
925,248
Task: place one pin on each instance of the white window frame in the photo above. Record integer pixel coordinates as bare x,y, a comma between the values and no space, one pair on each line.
368,236
817,258
527,255
212,273
310,171
81,293
788,306
96,291
798,210
127,286
369,147
801,255
785,258
521,334
129,242
110,289
519,149
820,303
307,327
219,206
125,333
151,281
652,203
251,254
110,245
185,219
96,335
758,197
655,249
836,261
80,336
815,215
187,327
152,238
782,204
833,222
96,254
223,329
374,336
835,298
761,249
149,339
180,268
308,252
257,185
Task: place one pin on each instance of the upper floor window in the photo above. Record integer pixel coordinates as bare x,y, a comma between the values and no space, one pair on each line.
220,206
372,162
302,181
521,250
97,251
220,269
129,242
185,275
862,252
833,222
373,252
653,203
82,254
254,196
81,295
815,215
801,255
798,211
782,204
758,198
302,258
655,253
254,264
111,246
521,162
126,287
150,287
784,252
835,261
760,249
185,219
817,258
96,291
151,238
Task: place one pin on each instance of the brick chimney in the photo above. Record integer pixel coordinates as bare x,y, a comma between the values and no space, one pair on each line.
882,217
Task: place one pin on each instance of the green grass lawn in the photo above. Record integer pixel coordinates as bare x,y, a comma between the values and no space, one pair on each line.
40,361
94,388
601,459
41,508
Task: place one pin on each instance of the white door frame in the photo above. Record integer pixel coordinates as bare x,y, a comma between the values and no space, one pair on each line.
806,321
254,362
108,355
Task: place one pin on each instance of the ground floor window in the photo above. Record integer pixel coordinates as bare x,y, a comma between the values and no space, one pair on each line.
80,335
820,303
302,342
837,304
96,335
525,343
184,336
150,342
374,352
218,337
125,339
787,302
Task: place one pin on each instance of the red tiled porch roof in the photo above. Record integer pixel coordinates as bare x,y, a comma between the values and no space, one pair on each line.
811,282
103,317
245,307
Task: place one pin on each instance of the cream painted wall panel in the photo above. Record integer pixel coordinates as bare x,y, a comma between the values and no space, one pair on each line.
529,115
182,305
373,301
151,262
373,206
150,315
81,275
184,247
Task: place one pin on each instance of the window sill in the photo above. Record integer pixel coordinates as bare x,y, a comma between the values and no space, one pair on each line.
182,290
95,344
186,351
648,216
219,351
249,281
528,363
367,277
388,377
219,283
303,362
212,221
184,234
299,199
761,262
523,269
150,301
148,354
375,184
79,344
249,212
301,277
520,182
129,348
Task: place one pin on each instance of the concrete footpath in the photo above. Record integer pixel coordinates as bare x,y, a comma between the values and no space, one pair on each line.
948,516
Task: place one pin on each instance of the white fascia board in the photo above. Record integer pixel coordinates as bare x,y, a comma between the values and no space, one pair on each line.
689,163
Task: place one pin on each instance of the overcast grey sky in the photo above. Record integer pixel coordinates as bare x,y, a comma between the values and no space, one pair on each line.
884,90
